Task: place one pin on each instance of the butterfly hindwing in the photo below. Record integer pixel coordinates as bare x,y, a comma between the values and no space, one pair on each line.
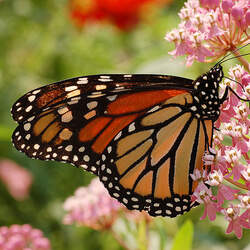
148,164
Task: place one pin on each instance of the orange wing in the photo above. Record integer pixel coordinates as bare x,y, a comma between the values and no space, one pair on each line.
148,166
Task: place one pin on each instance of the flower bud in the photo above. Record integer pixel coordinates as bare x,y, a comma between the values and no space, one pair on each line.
227,5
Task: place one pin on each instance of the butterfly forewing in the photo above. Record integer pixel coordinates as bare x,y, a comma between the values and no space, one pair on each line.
92,86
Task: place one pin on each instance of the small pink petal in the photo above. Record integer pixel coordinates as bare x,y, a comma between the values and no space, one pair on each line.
227,5
210,3
237,13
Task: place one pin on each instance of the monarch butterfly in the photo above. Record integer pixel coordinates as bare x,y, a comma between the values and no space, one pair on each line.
143,135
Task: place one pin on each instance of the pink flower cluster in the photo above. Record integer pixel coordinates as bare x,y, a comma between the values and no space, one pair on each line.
22,237
92,206
210,28
17,179
231,163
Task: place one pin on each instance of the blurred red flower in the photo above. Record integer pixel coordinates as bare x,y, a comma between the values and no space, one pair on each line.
123,14
17,179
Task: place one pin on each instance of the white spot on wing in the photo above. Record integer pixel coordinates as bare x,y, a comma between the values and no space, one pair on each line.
27,126
197,99
84,166
28,108
36,146
73,93
31,98
71,88
49,149
109,149
31,118
177,209
105,80
107,77
62,110
131,127
67,117
36,91
118,135
65,157
93,168
154,109
112,97
86,158
83,80
81,149
69,148
91,105
102,86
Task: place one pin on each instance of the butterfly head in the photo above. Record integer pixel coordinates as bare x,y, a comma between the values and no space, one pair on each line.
206,94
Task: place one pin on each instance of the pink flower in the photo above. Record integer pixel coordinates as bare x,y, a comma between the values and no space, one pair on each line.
92,206
245,78
228,163
236,222
225,193
17,179
198,175
245,218
233,158
204,195
210,28
22,237
245,201
215,178
210,209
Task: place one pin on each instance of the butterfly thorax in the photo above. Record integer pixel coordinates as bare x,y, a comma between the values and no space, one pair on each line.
206,94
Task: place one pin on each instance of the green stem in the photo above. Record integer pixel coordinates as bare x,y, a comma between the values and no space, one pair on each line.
236,183
142,235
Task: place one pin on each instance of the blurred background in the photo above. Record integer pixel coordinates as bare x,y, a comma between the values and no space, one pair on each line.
47,41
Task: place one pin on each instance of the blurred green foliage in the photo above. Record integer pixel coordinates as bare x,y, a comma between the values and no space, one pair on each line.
184,237
40,45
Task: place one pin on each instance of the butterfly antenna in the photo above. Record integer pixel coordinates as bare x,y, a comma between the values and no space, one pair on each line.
230,53
234,57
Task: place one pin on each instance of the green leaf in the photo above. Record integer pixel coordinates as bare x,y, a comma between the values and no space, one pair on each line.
184,237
